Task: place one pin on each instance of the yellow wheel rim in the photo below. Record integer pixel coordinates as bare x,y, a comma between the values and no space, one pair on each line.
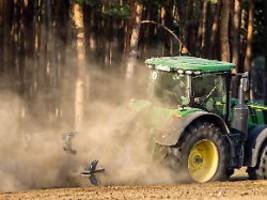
203,161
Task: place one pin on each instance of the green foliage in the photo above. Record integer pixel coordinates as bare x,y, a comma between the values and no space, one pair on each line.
212,1
79,1
117,10
88,2
111,9
157,3
93,2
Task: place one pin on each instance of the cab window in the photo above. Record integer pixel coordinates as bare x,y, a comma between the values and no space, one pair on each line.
209,93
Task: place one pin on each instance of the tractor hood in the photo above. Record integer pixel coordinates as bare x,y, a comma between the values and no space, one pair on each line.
158,114
163,123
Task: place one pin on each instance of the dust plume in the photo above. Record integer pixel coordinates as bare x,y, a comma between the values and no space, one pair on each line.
32,156
28,159
123,146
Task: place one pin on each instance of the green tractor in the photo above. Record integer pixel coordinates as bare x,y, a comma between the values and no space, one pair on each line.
198,129
203,132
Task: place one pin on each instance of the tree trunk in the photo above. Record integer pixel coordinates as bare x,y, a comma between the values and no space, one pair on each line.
182,17
77,17
248,55
265,38
224,31
202,28
236,34
136,27
169,24
1,13
1,35
163,22
137,10
214,30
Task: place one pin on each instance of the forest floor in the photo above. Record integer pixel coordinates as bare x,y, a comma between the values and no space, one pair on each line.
237,188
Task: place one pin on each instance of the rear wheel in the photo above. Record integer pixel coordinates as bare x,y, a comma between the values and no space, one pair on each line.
201,155
203,160
260,171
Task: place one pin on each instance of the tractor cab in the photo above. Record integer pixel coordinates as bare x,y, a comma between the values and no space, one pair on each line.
192,82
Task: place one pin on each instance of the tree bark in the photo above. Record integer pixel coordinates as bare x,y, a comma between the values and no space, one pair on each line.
1,35
248,55
136,26
265,42
214,30
77,17
1,13
224,31
236,33
181,16
163,22
202,28
137,10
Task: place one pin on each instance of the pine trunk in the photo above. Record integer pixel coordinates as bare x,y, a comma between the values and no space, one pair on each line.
224,31
182,18
1,35
77,17
236,33
215,9
137,10
265,38
203,29
248,55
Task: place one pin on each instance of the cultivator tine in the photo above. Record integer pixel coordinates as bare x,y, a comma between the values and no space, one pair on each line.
91,171
93,180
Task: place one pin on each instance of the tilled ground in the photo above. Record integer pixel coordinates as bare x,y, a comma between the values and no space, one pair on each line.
245,190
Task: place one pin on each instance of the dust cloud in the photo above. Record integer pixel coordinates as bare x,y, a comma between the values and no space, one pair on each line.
111,133
28,159
124,147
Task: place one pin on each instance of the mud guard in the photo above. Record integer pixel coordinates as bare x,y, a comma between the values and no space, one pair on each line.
256,139
171,136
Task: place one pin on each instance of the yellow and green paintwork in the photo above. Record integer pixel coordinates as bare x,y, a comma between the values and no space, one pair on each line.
257,114
156,115
161,112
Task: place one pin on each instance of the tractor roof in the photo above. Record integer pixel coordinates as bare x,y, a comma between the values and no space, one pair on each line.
187,63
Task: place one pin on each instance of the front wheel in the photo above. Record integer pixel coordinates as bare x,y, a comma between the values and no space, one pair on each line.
260,170
201,155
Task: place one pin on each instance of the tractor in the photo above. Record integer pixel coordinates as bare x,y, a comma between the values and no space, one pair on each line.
204,132
197,128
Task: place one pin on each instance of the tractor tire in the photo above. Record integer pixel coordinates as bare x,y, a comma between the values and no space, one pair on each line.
201,155
260,171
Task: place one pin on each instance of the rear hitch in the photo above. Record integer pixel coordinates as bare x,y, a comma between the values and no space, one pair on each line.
91,171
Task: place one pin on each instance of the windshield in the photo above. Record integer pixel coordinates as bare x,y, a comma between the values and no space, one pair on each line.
209,92
170,89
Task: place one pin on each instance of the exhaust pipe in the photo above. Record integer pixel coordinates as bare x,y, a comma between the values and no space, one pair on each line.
241,111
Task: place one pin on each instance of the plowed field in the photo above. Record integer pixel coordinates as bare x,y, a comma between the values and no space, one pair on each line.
245,190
